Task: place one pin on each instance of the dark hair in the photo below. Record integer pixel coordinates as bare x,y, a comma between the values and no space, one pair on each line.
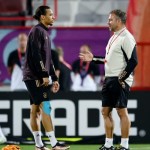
120,14
41,10
88,46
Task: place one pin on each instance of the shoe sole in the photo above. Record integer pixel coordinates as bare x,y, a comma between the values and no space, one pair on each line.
41,149
67,148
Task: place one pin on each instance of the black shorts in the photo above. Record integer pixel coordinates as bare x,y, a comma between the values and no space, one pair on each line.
113,95
37,94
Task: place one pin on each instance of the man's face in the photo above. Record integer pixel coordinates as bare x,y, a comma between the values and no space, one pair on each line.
113,22
84,49
49,17
22,41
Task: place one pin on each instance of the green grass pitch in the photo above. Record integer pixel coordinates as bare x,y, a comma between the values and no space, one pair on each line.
88,147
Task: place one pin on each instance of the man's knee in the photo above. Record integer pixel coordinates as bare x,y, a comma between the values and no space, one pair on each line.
46,108
35,110
122,112
106,112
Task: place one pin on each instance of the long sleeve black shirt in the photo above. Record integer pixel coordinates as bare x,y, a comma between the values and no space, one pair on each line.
38,61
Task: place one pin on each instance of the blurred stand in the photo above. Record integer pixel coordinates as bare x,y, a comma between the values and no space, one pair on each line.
86,75
15,64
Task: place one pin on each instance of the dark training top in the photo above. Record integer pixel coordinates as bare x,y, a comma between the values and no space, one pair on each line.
38,62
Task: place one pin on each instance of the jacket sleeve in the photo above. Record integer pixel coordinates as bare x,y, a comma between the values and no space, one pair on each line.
36,40
52,72
129,51
98,59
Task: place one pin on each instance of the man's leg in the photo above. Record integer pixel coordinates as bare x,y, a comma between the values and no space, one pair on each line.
35,124
48,126
109,126
125,126
47,121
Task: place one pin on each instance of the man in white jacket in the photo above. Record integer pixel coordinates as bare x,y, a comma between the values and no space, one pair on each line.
120,61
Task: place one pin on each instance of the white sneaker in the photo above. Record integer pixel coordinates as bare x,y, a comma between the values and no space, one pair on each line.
2,140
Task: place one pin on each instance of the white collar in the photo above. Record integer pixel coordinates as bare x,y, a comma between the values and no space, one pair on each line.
117,32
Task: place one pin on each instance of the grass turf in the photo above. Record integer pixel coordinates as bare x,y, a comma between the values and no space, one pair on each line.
88,147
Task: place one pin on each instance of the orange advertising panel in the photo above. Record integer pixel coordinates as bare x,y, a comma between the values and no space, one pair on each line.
138,22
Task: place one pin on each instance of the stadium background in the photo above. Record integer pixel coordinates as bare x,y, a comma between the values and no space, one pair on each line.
78,22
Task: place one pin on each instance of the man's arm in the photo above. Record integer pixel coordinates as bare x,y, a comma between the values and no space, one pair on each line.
88,56
56,62
10,63
131,64
98,59
130,55
53,72
54,77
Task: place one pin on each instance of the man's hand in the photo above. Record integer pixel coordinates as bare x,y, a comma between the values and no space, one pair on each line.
121,78
45,82
122,84
87,56
55,87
